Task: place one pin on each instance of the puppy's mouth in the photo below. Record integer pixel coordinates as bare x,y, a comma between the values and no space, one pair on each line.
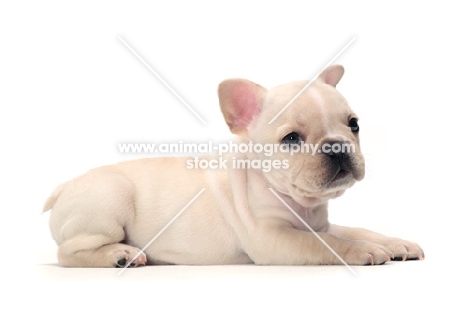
341,178
342,173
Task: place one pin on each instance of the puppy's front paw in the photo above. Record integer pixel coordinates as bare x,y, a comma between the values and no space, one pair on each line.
366,253
403,250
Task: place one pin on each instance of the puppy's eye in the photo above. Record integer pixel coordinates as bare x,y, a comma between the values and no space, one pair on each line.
292,139
353,125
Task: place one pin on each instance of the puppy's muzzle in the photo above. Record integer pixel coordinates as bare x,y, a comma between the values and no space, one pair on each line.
339,158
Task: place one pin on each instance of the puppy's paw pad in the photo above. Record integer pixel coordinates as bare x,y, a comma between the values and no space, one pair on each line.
139,259
121,263
130,255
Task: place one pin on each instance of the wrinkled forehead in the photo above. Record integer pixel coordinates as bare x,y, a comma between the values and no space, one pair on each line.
316,101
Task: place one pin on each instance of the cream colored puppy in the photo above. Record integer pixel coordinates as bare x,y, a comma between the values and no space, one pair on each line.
104,218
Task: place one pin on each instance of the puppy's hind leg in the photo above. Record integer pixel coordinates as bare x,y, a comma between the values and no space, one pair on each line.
98,251
88,218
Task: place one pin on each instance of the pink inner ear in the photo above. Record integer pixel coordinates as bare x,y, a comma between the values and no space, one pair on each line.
332,75
245,106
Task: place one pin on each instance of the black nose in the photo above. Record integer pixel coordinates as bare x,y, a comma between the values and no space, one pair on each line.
336,150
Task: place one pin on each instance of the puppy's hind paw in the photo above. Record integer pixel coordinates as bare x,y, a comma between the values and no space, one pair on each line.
133,256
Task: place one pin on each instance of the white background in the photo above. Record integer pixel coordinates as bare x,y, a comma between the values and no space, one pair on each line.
70,91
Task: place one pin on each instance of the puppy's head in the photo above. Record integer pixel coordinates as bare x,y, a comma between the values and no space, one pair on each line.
318,128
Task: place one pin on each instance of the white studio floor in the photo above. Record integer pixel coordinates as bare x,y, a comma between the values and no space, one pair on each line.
399,285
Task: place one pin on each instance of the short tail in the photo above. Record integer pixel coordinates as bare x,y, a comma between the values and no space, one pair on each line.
52,199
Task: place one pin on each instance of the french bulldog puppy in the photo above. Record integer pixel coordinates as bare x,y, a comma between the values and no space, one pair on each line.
106,216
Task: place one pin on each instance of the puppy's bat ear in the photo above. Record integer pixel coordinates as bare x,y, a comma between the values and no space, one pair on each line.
332,75
240,101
